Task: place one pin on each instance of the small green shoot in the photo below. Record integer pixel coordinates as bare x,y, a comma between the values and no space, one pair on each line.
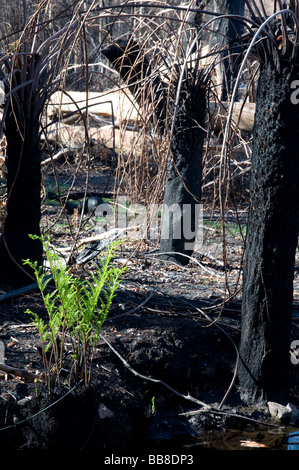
153,405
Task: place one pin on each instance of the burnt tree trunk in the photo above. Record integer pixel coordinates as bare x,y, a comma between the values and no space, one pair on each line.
23,188
271,240
226,35
183,185
133,65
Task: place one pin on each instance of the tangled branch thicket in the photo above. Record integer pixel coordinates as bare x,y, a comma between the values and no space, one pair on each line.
175,39
57,77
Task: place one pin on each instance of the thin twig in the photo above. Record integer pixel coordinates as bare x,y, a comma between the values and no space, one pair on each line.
129,312
150,379
42,410
214,322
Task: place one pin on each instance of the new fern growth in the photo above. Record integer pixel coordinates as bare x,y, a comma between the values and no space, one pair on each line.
76,309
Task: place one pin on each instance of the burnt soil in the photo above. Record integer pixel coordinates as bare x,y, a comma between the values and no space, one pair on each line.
170,344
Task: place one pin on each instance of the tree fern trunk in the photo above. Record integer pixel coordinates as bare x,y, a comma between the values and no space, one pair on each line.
271,239
24,194
183,186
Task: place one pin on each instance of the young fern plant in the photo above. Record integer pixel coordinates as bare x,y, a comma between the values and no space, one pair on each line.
76,309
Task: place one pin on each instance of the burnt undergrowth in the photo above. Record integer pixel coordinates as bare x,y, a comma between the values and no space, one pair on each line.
165,370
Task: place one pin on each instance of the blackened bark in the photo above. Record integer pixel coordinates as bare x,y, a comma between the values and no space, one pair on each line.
23,206
134,67
23,188
271,240
226,35
183,186
127,57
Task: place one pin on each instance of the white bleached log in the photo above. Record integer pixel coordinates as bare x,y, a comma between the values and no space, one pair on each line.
72,137
115,103
120,106
242,115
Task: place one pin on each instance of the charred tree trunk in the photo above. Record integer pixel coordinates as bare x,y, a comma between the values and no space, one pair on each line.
226,35
271,239
183,185
23,206
133,65
23,188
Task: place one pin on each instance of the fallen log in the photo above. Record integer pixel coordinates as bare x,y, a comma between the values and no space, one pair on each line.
121,107
242,115
24,374
128,141
72,137
77,195
117,104
2,93
96,245
17,292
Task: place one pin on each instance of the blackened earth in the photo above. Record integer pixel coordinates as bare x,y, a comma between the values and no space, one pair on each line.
170,354
174,341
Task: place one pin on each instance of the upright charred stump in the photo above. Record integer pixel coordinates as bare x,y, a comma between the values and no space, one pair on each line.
226,35
183,185
134,67
272,238
23,178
